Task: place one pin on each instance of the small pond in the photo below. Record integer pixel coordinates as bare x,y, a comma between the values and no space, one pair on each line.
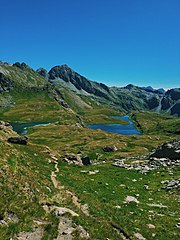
21,128
124,129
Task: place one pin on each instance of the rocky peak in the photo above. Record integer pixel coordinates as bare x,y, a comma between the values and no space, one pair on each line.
64,72
130,87
22,65
43,72
152,90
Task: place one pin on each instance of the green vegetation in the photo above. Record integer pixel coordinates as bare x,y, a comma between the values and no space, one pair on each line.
106,191
152,123
31,193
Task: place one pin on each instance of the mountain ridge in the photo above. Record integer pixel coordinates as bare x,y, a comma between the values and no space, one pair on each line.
152,99
63,78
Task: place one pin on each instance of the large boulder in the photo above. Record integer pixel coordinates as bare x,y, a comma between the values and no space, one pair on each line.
77,159
18,140
169,150
109,149
86,160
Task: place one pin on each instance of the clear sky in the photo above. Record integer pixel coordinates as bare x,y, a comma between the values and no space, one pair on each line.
116,42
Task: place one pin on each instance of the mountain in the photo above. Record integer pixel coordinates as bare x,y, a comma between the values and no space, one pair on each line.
75,91
126,99
150,89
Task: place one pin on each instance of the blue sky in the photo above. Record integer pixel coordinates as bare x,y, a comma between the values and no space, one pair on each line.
116,42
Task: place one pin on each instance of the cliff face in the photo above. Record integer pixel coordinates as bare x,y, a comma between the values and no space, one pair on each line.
5,83
171,101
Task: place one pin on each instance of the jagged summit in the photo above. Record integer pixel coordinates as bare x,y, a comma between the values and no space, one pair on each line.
151,89
43,72
22,65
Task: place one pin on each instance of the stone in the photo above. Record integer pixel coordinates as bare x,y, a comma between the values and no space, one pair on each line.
18,140
178,225
150,225
156,205
139,236
73,159
86,160
170,150
109,149
129,199
77,159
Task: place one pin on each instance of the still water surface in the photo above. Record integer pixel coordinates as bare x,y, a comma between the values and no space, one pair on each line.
124,129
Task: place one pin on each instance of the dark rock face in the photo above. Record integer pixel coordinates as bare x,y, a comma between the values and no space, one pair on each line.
171,99
18,140
174,93
175,110
5,83
43,72
170,150
153,102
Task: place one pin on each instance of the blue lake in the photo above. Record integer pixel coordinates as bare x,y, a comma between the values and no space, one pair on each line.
21,128
124,129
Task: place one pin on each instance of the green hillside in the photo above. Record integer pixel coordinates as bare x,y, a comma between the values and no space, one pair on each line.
45,197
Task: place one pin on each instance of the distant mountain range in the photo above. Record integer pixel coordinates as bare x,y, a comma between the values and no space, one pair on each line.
61,79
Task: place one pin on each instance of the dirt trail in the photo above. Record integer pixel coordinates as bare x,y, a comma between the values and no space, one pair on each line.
66,227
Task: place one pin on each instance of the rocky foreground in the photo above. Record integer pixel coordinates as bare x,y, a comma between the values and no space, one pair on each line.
166,155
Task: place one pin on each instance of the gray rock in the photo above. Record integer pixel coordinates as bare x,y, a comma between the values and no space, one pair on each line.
18,140
77,159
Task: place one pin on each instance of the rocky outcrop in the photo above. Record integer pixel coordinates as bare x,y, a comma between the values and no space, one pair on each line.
171,184
18,140
22,65
109,149
170,150
77,159
4,125
166,155
5,83
146,166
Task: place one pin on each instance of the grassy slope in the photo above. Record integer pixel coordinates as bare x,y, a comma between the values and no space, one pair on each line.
105,193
